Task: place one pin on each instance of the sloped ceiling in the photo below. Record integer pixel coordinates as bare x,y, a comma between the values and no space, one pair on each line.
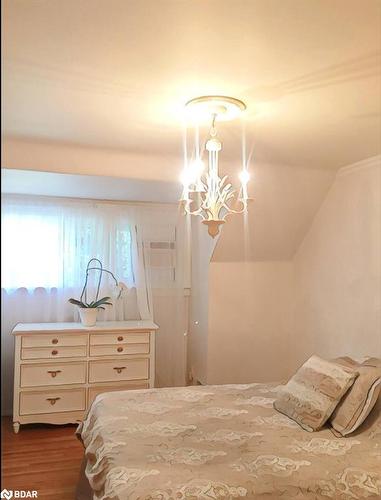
285,200
116,73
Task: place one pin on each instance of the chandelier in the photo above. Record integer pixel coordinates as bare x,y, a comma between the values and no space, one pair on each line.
206,193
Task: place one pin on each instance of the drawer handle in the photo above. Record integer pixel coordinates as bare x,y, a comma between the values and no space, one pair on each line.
120,339
120,349
119,368
53,373
52,401
54,341
54,352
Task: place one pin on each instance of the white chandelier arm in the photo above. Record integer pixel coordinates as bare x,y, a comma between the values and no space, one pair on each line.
242,210
195,212
187,209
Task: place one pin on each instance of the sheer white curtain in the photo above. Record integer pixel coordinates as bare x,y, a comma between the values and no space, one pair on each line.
46,244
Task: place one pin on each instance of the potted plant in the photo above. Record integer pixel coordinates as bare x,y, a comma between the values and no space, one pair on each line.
88,310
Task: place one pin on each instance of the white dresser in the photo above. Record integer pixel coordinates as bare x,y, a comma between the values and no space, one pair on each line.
61,367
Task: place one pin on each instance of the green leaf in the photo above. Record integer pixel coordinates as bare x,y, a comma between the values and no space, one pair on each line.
77,303
92,305
102,301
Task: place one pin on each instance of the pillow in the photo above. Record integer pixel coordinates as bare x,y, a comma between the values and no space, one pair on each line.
359,401
372,362
313,393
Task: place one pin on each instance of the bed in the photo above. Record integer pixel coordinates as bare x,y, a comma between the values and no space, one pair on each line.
220,442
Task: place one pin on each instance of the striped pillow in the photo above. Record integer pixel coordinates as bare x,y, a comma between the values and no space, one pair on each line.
359,401
313,393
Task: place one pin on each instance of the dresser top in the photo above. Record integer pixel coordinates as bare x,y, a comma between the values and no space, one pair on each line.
101,326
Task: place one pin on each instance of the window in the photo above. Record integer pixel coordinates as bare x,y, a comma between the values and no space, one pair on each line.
48,244
31,251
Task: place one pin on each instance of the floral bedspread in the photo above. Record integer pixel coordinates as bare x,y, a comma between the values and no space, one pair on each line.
221,442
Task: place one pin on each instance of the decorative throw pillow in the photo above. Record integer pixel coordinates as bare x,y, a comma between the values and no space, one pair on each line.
372,362
360,399
313,393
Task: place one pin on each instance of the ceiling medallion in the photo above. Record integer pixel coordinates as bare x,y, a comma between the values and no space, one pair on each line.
205,193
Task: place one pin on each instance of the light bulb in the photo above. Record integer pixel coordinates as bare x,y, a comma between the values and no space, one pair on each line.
244,177
185,177
192,173
197,167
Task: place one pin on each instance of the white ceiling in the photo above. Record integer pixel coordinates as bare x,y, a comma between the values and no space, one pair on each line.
116,73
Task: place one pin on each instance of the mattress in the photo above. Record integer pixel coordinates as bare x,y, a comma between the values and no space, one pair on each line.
221,442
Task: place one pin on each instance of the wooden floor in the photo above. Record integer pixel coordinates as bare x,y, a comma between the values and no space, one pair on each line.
41,457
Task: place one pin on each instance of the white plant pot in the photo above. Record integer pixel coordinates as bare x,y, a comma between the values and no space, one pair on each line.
88,315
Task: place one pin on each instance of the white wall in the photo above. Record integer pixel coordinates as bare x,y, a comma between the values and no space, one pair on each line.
265,317
338,269
32,182
251,334
247,331
202,249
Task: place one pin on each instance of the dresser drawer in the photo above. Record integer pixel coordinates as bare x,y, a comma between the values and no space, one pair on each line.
53,340
53,352
118,369
120,350
118,338
34,403
52,374
94,391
